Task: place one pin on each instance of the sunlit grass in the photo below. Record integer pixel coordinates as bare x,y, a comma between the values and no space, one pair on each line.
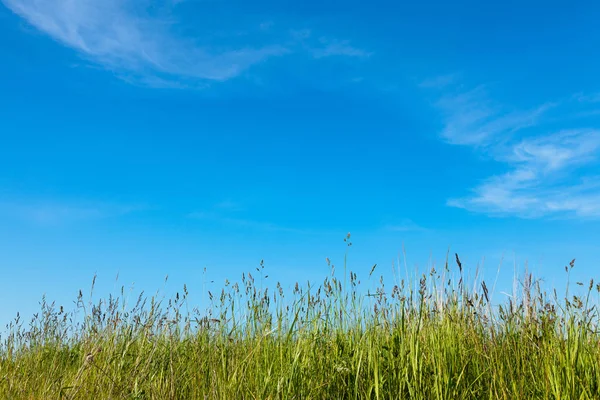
435,338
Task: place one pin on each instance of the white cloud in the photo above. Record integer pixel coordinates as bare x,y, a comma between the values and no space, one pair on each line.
405,225
242,223
470,118
438,82
547,165
117,34
544,179
333,47
301,34
267,25
229,205
588,98
142,48
230,213
56,213
503,196
327,47
557,151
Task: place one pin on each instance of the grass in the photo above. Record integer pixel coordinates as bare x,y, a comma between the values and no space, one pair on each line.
434,338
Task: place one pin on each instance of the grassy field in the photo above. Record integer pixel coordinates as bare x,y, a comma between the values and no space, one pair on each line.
434,338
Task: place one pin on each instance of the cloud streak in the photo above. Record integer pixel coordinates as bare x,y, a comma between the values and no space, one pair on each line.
333,47
229,213
141,48
548,169
470,118
545,179
116,34
405,225
323,47
242,223
51,213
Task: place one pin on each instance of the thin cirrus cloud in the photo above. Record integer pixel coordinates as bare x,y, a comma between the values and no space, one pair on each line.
111,33
548,167
243,223
322,47
142,49
470,118
53,213
406,225
439,82
232,214
334,47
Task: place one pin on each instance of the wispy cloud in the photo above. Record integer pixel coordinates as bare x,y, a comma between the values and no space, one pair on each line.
588,98
142,48
333,47
229,205
229,212
471,118
439,82
548,170
322,47
545,179
406,225
117,34
50,213
243,223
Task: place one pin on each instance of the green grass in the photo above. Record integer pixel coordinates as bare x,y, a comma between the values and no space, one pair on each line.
433,338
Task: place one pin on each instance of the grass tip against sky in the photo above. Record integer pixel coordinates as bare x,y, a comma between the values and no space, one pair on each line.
146,139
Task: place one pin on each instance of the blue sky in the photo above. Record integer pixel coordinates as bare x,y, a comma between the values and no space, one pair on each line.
145,140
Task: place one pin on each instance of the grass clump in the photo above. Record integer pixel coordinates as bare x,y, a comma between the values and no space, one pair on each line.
433,338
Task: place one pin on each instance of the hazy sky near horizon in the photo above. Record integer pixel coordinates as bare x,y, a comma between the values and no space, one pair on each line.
147,140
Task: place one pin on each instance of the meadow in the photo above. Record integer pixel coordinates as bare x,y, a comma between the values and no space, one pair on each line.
437,336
